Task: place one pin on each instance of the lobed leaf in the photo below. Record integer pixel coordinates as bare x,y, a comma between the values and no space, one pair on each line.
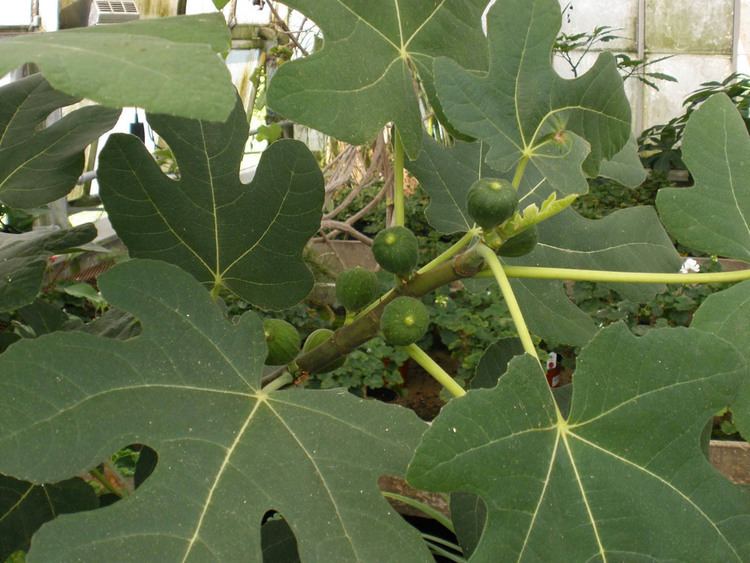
247,238
165,65
334,92
523,109
714,215
622,477
727,315
228,452
41,164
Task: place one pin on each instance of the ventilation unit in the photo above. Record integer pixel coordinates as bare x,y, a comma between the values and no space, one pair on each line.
112,11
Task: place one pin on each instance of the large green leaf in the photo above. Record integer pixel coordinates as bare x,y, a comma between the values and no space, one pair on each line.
622,478
40,164
727,314
165,65
446,174
522,108
23,259
364,75
630,240
228,452
24,507
714,215
247,238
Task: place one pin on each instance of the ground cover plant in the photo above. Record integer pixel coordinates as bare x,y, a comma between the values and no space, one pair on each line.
238,460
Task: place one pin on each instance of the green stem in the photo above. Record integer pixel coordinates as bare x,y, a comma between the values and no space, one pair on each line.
422,507
441,541
444,257
101,478
520,169
215,291
437,550
367,324
431,367
278,383
399,214
462,243
498,272
618,277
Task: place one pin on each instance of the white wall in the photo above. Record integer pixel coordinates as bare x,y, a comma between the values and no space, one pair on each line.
706,40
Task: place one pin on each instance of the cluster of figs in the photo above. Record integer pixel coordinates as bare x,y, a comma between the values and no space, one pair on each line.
405,320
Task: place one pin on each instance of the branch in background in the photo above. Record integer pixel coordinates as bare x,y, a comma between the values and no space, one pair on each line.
347,228
285,28
349,337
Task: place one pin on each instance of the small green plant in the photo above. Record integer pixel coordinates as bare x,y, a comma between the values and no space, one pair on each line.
660,145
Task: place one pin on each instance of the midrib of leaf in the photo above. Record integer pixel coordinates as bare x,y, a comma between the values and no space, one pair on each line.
319,473
210,172
18,503
554,111
362,88
533,190
598,250
517,81
18,109
541,498
34,157
421,26
400,27
732,185
225,462
49,502
118,390
639,396
368,24
662,481
169,226
234,262
564,433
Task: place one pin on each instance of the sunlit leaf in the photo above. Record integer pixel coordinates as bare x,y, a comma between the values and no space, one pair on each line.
165,65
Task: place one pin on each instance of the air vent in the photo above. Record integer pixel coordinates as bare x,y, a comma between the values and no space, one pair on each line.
112,11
